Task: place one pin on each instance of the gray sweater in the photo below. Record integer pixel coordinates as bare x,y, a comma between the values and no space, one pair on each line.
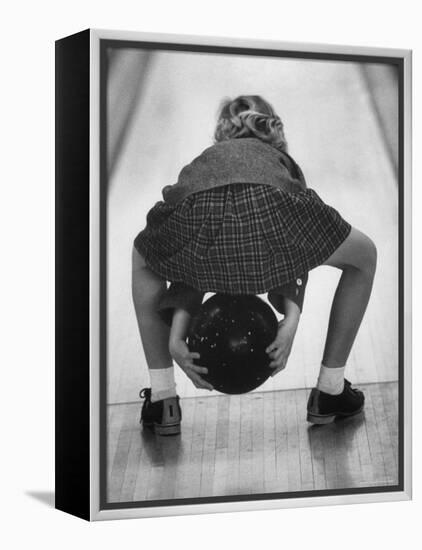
241,160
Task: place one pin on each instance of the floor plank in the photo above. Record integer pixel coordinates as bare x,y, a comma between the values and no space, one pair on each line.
221,447
233,447
183,471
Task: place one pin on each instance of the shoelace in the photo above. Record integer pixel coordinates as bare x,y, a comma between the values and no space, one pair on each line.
350,386
145,393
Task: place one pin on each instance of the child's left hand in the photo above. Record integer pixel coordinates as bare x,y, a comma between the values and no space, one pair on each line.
185,359
279,350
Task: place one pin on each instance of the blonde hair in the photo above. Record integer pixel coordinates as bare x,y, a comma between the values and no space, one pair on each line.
250,116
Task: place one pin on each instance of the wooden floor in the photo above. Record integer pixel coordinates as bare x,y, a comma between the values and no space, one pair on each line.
254,443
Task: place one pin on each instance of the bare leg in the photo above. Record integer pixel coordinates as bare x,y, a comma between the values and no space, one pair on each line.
356,257
147,289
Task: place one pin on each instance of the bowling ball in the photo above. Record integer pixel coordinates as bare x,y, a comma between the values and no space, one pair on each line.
231,334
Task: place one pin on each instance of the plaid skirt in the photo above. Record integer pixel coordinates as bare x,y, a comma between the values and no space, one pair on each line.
240,239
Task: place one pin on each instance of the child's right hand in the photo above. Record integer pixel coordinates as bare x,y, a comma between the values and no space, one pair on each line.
184,358
280,349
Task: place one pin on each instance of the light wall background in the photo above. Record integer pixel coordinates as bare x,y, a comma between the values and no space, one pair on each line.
341,125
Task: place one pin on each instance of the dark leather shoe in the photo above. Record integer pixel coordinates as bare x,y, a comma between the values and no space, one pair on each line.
323,408
162,417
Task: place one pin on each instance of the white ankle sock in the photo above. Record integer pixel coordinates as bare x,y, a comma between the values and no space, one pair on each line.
163,384
331,380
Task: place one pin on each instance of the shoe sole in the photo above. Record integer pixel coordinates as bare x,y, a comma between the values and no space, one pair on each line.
327,419
169,429
159,429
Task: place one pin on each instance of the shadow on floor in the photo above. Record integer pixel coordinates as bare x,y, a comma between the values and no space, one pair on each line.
45,497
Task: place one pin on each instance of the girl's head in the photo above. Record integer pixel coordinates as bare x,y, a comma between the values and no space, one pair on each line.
250,116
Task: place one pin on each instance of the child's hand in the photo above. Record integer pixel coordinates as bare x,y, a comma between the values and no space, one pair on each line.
279,350
184,358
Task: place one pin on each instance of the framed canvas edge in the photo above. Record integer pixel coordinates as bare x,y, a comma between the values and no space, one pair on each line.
338,49
247,506
96,513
